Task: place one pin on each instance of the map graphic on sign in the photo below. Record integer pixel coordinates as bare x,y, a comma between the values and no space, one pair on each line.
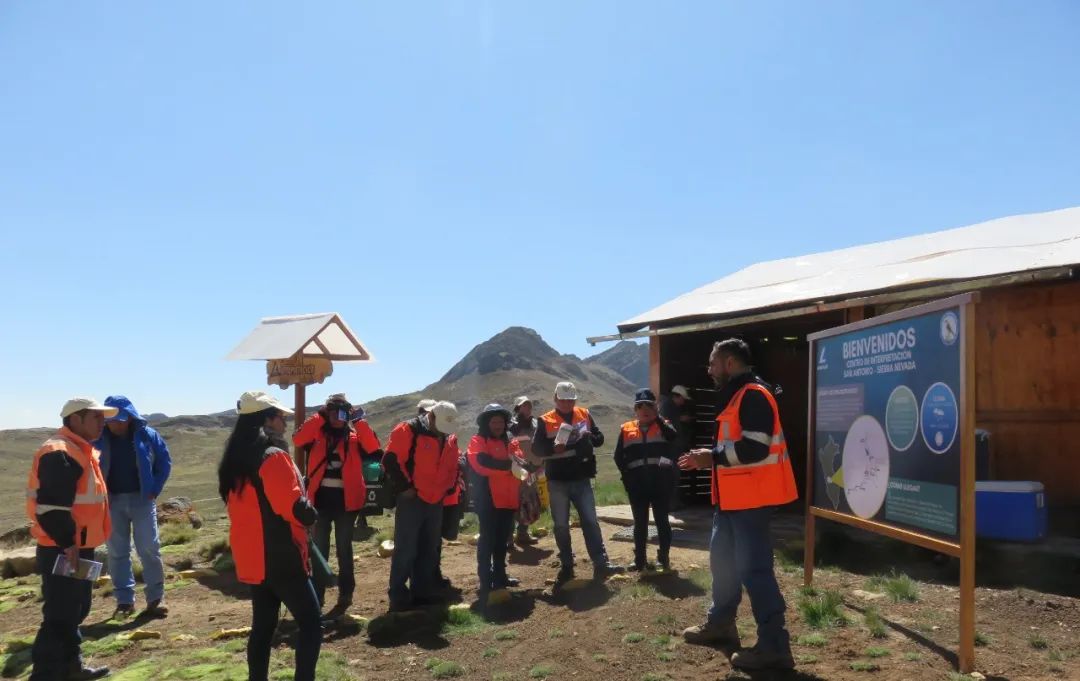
829,458
866,466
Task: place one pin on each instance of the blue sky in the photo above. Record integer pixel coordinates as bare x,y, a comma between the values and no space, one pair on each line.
437,171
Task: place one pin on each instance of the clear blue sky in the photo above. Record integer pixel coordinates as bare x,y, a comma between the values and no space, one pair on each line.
437,171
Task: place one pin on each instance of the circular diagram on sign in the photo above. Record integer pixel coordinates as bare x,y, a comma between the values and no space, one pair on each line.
940,418
865,466
902,418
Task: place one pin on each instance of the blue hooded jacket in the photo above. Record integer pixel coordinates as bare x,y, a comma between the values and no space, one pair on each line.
151,452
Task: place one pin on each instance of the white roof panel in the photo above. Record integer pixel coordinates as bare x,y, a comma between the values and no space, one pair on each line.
319,335
1007,245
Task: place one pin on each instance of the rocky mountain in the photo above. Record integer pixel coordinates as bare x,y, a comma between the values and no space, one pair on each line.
515,362
628,359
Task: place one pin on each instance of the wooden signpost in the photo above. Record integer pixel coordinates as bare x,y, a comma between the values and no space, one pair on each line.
891,437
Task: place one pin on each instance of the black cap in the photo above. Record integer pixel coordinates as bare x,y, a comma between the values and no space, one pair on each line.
644,396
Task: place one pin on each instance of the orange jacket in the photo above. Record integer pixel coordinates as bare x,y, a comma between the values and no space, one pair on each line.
428,462
492,458
90,509
268,540
770,482
360,441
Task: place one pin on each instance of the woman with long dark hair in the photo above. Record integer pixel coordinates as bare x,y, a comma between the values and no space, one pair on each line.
269,516
494,461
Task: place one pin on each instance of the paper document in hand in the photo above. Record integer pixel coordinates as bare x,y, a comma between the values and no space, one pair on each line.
580,430
562,436
89,570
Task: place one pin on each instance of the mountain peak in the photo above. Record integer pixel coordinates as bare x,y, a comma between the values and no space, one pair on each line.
517,347
628,359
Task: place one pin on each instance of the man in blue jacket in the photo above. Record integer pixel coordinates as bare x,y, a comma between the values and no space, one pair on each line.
135,463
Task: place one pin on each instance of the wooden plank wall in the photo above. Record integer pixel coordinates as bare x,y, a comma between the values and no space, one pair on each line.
1027,359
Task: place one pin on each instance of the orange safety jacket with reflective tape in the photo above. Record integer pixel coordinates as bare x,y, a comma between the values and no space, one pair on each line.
90,509
769,482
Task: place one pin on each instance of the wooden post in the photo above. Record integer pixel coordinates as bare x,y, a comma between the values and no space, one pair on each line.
967,489
654,364
809,534
298,420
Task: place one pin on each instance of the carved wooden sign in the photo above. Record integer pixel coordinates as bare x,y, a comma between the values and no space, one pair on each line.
297,371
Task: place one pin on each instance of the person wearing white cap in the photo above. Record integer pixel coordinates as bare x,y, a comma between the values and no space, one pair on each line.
269,520
421,464
68,507
566,438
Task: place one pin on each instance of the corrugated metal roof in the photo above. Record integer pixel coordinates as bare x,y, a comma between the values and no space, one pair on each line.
1004,246
319,335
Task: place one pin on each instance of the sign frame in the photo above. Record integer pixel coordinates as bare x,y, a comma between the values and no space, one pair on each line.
964,548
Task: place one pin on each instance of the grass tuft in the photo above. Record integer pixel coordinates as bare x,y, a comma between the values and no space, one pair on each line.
541,671
874,624
822,611
815,639
633,637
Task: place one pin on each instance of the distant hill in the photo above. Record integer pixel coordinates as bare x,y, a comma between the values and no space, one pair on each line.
628,359
514,362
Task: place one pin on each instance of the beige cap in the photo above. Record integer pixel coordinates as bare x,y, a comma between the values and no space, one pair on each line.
77,404
254,401
518,401
426,405
565,391
681,390
446,416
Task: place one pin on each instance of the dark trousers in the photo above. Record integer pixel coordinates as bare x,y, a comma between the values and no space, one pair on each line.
740,554
496,524
650,492
67,603
417,541
343,522
266,599
451,527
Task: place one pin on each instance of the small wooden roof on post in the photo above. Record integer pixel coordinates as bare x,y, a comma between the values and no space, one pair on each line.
323,336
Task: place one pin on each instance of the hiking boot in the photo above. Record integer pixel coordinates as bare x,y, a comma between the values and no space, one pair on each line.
565,574
664,562
708,634
525,539
756,658
123,611
605,570
643,566
156,609
80,673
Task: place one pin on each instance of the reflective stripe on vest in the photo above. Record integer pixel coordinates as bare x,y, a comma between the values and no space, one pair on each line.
769,482
333,482
90,506
651,461
79,499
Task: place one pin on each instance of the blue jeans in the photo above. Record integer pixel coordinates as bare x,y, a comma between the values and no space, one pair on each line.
496,524
740,554
417,540
579,492
135,514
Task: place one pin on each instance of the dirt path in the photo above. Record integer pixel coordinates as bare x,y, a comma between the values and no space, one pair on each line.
619,630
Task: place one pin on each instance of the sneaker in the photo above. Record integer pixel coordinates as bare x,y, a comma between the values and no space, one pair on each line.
123,611
80,673
525,539
565,575
708,634
605,570
157,609
644,566
756,658
505,582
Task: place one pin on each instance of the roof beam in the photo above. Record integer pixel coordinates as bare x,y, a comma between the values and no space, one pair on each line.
940,290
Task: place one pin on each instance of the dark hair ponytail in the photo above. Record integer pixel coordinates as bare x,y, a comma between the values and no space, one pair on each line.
243,452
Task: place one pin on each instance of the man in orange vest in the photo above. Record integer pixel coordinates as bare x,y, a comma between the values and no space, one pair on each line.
751,475
68,508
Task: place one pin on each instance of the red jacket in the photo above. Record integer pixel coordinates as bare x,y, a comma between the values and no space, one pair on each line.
492,458
267,539
426,461
360,440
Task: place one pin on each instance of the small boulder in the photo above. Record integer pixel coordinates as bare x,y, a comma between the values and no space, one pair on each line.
228,634
386,549
19,562
139,635
473,540
539,532
867,595
498,597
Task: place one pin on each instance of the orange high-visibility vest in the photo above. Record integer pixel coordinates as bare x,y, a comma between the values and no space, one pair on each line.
91,507
770,482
